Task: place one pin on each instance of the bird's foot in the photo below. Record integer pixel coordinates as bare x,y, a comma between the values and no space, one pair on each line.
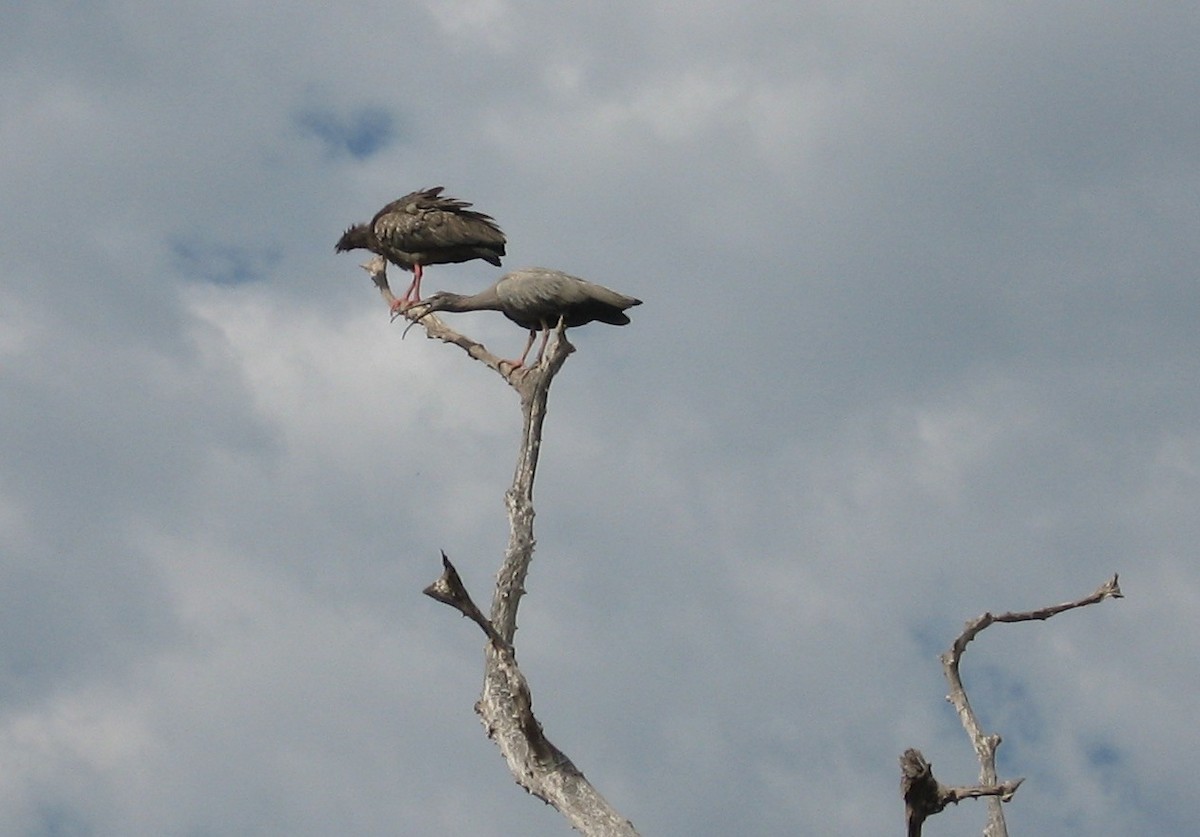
399,307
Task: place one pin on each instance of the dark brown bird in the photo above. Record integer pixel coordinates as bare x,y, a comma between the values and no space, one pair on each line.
426,228
536,298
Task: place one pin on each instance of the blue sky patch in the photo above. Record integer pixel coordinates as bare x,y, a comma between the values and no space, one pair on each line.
220,264
359,134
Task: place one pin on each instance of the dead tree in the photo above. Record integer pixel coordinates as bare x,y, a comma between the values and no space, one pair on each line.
506,705
923,795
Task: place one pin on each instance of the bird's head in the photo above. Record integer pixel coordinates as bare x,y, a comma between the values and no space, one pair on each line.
418,312
434,302
357,237
440,301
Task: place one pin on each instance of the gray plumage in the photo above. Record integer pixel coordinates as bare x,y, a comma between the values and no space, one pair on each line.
536,298
424,228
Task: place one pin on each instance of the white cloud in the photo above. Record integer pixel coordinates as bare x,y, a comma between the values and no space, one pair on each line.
917,342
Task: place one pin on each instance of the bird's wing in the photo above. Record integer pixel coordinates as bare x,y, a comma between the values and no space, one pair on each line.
540,295
426,221
571,289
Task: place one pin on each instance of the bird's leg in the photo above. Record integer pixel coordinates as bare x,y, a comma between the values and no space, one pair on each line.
546,338
542,347
519,362
412,296
416,286
415,289
401,305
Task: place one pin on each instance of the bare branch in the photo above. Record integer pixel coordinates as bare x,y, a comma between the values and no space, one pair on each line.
1108,590
925,796
376,268
449,589
984,744
506,705
539,766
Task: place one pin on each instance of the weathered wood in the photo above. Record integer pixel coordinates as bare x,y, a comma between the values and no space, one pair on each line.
505,706
923,795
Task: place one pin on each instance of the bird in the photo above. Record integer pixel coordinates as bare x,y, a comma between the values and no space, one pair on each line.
536,298
423,228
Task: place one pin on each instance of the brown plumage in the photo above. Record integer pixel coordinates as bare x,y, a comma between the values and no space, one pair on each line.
425,228
536,298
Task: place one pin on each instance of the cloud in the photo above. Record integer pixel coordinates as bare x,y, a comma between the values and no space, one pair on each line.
918,342
220,264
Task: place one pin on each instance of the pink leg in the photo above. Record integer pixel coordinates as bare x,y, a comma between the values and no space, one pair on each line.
413,295
416,285
541,348
517,364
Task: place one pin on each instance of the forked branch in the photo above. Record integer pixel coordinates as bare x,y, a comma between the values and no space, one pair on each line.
506,705
924,796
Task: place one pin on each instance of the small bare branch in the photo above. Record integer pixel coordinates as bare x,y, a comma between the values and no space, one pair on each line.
449,589
1110,589
984,744
377,269
925,796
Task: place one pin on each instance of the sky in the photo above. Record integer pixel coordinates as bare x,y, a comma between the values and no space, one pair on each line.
918,342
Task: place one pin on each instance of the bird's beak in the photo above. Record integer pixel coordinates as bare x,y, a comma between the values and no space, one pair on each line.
428,310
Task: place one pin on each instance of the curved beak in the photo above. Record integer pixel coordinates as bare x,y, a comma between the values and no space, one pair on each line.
428,310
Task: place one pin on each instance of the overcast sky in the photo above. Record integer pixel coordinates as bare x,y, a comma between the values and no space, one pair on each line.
919,341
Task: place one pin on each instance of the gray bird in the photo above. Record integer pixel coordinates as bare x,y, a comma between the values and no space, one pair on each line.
424,228
536,298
